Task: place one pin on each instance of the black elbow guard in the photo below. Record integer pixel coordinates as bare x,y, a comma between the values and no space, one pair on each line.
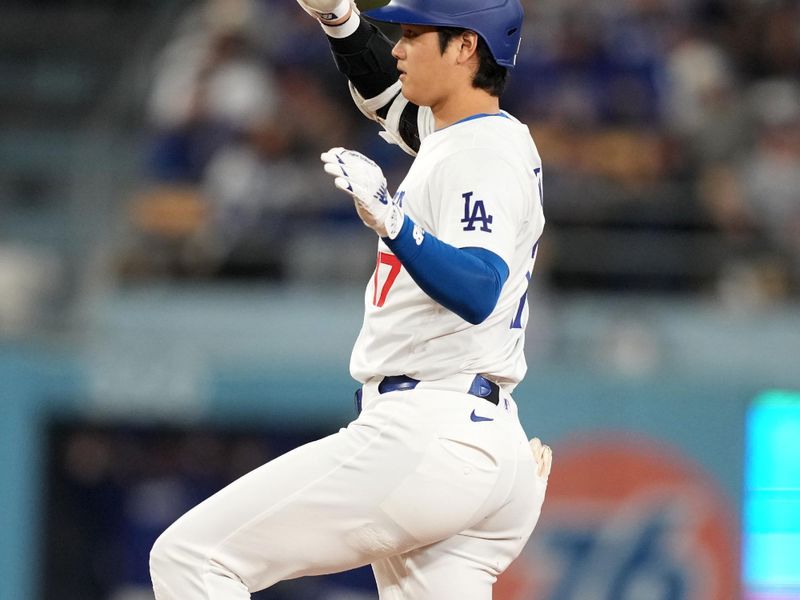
365,58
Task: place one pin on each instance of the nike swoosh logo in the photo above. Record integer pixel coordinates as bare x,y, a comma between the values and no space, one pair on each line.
477,418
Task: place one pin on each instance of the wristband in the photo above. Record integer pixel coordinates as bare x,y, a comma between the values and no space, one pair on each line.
337,13
342,30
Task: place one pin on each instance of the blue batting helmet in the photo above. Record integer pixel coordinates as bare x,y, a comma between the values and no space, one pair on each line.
498,22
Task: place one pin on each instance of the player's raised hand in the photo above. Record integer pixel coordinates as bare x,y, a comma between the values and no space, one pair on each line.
328,11
543,455
364,181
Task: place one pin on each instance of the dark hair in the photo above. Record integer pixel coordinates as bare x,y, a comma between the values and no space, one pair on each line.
490,76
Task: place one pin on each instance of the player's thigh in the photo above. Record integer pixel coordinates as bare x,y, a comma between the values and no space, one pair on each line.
379,487
447,570
292,516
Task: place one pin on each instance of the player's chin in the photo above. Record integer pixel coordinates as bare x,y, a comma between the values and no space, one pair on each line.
412,92
404,84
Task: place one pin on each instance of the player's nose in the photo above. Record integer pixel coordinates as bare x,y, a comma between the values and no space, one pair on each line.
398,52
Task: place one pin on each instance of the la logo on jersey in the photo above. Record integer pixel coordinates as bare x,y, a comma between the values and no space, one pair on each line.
475,212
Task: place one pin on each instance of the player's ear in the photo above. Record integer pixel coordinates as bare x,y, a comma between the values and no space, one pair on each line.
468,46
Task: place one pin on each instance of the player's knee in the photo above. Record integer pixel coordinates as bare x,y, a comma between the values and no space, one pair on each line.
168,555
160,553
181,566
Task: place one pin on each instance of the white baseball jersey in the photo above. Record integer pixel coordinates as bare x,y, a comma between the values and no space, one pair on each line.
476,183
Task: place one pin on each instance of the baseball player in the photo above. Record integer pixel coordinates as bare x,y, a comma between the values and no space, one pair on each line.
435,483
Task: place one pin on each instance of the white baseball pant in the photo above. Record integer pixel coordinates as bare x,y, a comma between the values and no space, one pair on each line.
438,503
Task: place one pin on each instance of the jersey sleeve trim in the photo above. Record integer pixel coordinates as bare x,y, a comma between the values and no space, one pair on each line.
466,281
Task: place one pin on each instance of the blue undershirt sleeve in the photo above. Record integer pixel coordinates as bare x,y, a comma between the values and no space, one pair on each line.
466,281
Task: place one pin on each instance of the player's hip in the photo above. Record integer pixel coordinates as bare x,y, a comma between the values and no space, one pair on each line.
473,405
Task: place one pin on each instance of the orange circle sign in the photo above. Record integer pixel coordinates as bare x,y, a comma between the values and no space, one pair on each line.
627,519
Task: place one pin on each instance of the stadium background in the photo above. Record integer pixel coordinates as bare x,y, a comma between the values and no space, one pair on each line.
180,287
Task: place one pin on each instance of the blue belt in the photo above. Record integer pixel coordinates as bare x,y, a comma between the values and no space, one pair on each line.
480,387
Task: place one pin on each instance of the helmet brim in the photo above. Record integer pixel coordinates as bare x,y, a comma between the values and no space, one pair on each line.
403,16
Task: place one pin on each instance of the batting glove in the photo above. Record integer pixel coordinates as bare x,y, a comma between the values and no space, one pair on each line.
364,181
543,456
326,11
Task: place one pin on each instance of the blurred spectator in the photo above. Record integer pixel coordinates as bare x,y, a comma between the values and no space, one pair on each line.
209,83
771,173
255,188
646,111
703,104
237,135
755,198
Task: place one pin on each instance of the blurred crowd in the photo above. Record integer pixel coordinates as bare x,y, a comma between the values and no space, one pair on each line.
244,98
670,132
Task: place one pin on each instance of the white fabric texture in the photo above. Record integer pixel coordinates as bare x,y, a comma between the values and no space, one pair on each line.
413,480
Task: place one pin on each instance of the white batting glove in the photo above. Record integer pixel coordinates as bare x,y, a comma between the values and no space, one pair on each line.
543,456
364,181
326,11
